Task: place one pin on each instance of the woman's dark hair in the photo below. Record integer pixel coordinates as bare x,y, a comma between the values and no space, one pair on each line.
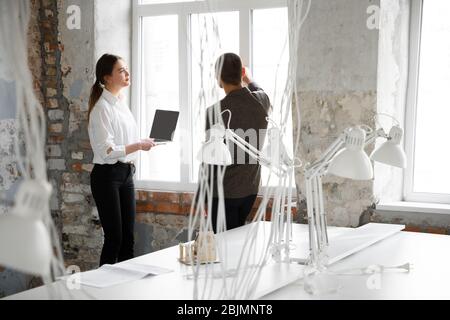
104,67
231,72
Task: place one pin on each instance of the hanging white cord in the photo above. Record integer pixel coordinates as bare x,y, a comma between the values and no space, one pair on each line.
245,275
29,143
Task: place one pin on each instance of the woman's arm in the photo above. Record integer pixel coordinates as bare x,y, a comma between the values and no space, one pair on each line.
103,138
144,144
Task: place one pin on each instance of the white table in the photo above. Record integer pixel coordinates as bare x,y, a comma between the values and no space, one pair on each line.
430,278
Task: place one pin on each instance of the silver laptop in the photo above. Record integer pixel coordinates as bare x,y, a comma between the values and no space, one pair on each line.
164,125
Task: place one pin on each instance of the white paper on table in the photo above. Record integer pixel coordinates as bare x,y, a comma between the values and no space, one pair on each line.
110,275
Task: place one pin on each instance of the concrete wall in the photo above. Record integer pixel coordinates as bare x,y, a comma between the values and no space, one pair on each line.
113,29
337,89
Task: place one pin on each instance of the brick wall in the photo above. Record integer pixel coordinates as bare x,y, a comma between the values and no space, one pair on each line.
68,150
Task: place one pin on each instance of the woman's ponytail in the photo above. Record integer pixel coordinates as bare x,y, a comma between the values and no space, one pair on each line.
104,67
96,93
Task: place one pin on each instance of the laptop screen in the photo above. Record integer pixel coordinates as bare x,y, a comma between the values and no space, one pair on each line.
164,125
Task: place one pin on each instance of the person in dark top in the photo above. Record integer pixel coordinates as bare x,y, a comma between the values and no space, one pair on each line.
249,106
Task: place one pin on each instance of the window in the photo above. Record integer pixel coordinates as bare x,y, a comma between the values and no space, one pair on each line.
428,175
169,38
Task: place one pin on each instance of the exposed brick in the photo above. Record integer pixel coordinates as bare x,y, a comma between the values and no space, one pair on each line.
48,4
50,60
141,195
48,13
47,46
51,92
48,37
52,103
412,228
77,167
166,196
76,188
294,213
50,83
72,197
187,198
70,177
45,24
55,139
53,151
185,209
55,127
145,207
166,207
56,115
436,230
51,71
56,164
77,155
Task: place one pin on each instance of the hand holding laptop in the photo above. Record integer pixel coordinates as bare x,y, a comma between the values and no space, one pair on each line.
147,144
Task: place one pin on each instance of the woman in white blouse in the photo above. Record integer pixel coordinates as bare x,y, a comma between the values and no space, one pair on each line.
114,140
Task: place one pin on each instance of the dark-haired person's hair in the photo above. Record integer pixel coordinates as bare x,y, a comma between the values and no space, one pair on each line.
104,67
231,68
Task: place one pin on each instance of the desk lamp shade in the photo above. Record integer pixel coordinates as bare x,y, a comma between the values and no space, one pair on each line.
215,151
275,150
25,245
352,162
390,152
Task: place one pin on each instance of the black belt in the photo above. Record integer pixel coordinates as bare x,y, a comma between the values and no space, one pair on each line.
125,163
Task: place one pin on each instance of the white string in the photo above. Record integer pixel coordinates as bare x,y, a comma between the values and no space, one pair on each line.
240,281
29,143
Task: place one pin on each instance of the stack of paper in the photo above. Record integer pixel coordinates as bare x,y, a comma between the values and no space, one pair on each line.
110,275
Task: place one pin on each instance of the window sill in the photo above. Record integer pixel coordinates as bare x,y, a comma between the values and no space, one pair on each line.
406,206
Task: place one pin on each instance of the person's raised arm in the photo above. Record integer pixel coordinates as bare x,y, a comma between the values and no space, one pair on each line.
248,80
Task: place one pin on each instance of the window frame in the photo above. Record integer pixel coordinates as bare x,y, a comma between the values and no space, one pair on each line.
411,111
183,10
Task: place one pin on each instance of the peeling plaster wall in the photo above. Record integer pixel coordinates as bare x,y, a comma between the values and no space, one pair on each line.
80,227
113,30
337,89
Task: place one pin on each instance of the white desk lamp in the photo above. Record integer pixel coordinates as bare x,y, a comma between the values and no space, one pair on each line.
344,158
25,243
274,157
